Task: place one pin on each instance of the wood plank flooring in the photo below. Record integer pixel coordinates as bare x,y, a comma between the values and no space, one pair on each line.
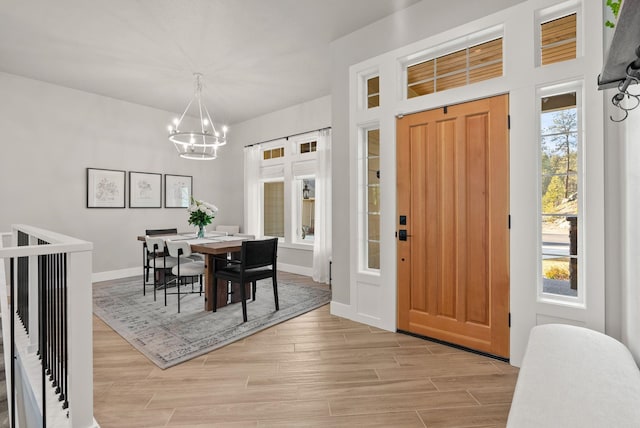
316,370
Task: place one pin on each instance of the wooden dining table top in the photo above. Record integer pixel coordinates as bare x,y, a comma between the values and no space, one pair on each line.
208,245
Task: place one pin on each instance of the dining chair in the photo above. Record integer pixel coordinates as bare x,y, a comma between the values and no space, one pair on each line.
229,229
160,261
257,261
185,268
147,256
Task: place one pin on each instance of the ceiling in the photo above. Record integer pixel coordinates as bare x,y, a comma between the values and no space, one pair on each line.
256,56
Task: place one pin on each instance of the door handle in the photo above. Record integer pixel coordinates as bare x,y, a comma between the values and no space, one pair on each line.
402,235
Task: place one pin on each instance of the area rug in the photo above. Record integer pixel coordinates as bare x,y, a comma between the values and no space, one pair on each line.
168,338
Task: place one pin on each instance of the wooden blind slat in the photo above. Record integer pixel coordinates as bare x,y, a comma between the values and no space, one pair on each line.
486,52
420,89
452,62
419,72
559,53
451,81
559,29
484,73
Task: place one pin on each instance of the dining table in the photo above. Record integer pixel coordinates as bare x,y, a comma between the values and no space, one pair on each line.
215,249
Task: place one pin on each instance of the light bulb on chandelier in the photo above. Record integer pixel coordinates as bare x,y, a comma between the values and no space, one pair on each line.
199,144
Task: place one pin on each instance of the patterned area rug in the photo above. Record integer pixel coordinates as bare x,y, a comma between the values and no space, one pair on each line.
168,338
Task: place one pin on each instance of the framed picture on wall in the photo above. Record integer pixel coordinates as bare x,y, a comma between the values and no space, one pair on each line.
145,190
105,188
177,190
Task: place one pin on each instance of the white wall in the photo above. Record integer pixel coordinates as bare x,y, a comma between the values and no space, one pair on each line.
417,22
52,134
308,116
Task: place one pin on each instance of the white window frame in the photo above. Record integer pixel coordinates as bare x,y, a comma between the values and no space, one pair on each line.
293,166
474,39
296,205
363,200
363,103
548,91
552,13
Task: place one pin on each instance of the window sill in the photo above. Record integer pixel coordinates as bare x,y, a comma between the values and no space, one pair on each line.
296,246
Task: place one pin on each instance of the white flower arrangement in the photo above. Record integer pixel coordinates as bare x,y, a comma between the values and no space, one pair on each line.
201,213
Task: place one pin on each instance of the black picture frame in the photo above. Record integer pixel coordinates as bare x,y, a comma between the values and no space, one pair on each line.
145,190
177,190
106,188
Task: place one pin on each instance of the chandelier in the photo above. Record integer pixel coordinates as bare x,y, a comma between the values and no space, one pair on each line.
201,143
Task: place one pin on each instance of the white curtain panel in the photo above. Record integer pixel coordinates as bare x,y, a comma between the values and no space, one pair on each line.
631,231
322,238
253,208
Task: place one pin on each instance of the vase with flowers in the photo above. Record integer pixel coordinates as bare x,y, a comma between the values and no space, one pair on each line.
201,214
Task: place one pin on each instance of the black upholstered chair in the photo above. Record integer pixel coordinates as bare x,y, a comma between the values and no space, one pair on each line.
257,261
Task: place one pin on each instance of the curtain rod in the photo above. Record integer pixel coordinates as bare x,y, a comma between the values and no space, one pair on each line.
289,136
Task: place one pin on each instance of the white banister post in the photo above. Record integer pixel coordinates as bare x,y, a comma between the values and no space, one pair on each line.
34,314
80,336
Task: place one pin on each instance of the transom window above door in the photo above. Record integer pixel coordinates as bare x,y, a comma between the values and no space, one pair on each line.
465,66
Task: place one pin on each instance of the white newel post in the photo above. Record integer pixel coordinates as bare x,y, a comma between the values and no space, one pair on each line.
80,333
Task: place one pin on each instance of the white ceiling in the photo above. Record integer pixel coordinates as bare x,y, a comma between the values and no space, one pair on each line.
256,56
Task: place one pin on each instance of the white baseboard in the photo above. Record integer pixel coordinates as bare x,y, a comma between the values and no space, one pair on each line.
347,311
116,274
300,270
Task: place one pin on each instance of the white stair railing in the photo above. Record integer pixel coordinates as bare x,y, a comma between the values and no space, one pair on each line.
46,306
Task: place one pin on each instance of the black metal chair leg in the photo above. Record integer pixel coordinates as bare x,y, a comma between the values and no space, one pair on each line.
254,290
275,291
215,293
155,285
243,296
144,270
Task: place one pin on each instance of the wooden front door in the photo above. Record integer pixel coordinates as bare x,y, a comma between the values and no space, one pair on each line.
453,196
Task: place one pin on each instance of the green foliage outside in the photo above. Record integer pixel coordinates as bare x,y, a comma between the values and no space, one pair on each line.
560,163
615,8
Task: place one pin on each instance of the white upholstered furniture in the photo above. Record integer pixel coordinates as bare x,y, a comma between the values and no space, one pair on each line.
575,377
231,230
185,268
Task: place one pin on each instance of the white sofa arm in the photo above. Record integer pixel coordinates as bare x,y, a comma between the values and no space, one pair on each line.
575,377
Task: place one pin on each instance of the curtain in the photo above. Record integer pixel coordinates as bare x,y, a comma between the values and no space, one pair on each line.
630,298
322,237
253,209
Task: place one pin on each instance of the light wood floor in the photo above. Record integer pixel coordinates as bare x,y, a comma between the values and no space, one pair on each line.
316,370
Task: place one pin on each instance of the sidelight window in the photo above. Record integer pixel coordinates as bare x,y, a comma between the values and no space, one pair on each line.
560,197
372,197
305,209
